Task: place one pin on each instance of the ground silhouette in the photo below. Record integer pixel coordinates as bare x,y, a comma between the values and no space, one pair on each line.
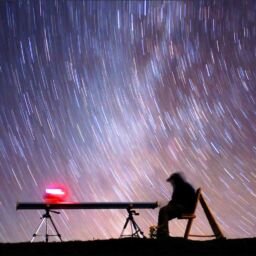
133,247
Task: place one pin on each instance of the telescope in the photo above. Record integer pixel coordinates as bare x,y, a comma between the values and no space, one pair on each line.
50,207
55,199
85,205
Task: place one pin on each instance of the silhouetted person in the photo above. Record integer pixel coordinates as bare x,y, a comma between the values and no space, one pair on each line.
182,201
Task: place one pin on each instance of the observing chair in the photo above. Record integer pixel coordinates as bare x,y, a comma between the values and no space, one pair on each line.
191,216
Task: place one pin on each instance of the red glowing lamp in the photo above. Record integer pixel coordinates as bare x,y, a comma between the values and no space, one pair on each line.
55,194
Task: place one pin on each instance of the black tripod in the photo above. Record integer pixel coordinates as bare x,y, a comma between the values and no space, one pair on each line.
45,218
136,231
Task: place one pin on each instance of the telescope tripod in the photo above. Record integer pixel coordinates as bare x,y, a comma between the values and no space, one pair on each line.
45,217
136,231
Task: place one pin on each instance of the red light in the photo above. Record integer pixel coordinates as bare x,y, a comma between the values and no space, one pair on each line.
55,194
55,191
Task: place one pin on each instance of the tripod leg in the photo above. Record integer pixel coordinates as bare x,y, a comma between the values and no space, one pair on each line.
55,228
133,229
37,230
46,230
125,225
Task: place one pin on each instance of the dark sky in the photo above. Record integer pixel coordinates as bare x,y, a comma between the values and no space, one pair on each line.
109,98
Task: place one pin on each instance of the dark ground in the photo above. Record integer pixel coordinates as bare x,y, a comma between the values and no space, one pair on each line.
133,247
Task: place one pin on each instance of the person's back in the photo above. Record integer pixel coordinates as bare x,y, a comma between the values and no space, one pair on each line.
183,194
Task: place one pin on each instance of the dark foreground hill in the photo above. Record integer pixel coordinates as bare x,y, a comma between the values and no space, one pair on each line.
133,247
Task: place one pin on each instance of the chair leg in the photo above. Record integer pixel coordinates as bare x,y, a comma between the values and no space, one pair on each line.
189,224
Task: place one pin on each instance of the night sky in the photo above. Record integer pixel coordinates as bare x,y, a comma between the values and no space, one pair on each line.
108,98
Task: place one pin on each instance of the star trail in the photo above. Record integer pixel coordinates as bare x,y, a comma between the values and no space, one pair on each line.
108,98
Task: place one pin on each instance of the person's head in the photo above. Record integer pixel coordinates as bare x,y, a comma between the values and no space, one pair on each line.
176,178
